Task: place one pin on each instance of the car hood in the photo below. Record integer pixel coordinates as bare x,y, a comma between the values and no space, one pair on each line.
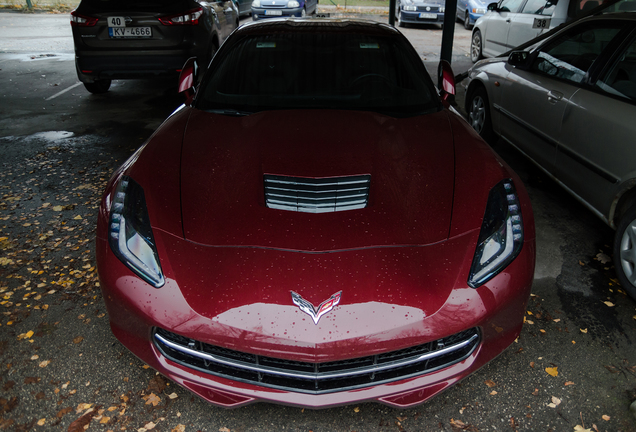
224,159
430,3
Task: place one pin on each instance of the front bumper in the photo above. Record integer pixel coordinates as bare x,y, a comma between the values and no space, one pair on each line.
355,328
416,17
261,13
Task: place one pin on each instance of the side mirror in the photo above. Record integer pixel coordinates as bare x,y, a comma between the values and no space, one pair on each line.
518,59
446,81
187,78
492,6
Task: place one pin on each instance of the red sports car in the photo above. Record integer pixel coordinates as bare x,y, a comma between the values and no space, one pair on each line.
316,227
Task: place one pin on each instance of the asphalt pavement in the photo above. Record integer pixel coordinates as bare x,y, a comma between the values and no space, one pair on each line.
61,369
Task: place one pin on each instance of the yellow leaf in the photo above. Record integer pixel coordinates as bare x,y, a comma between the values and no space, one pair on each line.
552,371
224,429
609,303
78,217
569,383
356,409
178,428
606,418
41,422
490,383
583,330
58,208
45,363
104,420
492,393
29,334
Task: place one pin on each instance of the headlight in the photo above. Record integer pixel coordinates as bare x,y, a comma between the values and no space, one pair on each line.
442,9
293,4
409,8
501,235
130,235
256,3
479,11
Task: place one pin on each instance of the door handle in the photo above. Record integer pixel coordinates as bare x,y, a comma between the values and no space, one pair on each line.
554,96
508,20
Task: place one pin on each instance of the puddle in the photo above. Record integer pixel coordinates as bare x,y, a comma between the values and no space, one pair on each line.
52,136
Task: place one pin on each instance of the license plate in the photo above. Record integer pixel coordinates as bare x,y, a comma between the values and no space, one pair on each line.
541,23
274,12
428,16
130,32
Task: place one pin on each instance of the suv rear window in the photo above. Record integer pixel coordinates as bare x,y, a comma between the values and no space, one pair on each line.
96,6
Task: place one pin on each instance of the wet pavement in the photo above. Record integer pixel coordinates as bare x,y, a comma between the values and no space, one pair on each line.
62,370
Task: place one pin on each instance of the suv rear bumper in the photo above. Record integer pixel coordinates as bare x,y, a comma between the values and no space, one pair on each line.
129,65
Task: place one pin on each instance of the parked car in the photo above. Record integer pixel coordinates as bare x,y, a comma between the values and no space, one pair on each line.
282,8
320,231
509,23
244,7
120,39
568,104
469,11
419,12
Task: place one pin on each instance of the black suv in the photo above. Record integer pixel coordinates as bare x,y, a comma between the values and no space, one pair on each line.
119,39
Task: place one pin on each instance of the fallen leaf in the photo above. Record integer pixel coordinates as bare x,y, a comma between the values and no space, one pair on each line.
606,417
552,371
44,364
82,422
490,383
78,339
356,409
556,400
41,422
569,383
173,396
579,428
609,303
492,393
152,399
604,259
178,428
224,429
583,330
149,426
57,208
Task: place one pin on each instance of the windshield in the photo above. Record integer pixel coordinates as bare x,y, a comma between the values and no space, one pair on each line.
319,69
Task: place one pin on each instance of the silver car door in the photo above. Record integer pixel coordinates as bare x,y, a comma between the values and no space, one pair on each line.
598,148
533,104
495,33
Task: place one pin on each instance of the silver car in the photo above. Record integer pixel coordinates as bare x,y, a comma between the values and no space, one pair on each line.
569,104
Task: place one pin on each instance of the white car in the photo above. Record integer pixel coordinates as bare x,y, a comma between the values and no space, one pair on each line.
510,23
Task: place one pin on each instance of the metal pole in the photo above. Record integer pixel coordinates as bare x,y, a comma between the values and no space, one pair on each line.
392,4
29,4
449,30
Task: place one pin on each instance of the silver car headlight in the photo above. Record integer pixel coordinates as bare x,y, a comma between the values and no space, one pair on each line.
293,4
501,236
442,9
479,11
256,3
411,8
130,235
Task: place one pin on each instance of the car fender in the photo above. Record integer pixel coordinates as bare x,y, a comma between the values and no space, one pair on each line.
482,79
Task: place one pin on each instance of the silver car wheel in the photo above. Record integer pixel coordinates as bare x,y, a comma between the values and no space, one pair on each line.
475,46
628,252
477,114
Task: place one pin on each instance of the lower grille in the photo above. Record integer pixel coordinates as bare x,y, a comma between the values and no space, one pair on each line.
317,378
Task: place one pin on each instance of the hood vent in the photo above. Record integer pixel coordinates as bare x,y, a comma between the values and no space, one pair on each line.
316,195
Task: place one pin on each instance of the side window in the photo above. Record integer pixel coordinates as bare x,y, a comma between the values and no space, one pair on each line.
620,80
540,7
510,5
571,56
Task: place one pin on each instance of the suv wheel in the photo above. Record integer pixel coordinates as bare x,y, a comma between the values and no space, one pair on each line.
475,47
99,86
625,252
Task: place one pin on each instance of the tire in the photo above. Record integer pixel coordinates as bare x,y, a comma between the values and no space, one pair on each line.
478,110
467,25
98,86
476,53
625,252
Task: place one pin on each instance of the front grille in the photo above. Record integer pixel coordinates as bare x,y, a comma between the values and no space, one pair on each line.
317,378
316,195
427,9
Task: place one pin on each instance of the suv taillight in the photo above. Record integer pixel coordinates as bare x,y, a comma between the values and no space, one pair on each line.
187,18
78,20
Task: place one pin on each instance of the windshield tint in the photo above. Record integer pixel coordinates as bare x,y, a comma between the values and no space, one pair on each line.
319,70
